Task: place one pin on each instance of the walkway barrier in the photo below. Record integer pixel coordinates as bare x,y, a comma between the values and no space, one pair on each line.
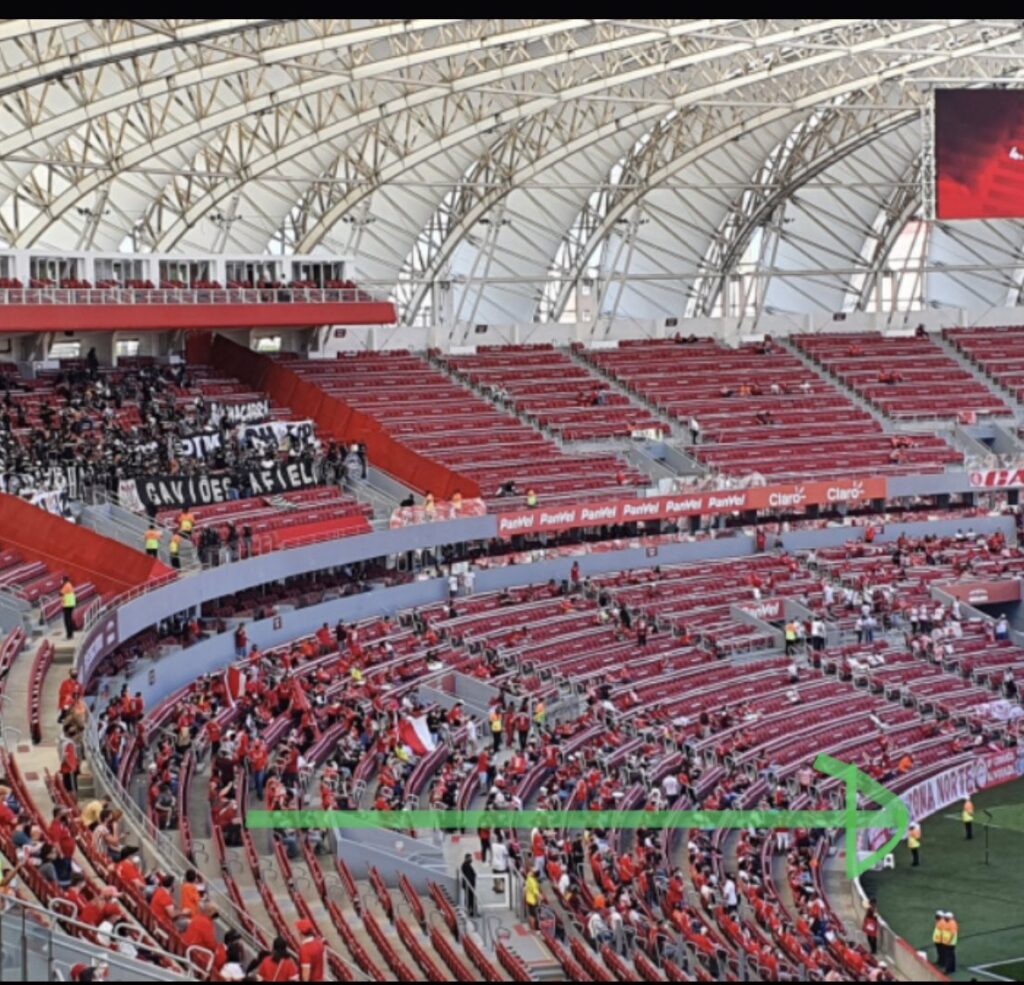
34,948
157,844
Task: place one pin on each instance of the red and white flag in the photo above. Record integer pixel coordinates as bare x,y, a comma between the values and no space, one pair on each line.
236,682
413,732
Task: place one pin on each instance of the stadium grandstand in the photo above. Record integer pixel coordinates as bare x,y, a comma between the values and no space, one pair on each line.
511,500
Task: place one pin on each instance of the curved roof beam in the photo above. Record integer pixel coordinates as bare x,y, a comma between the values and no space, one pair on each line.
58,205
19,28
432,93
418,94
220,121
459,230
634,196
897,209
107,53
616,125
790,180
204,74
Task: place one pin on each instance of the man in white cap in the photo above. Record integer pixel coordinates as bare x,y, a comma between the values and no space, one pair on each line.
938,939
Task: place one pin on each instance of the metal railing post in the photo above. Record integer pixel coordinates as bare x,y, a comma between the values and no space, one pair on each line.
24,947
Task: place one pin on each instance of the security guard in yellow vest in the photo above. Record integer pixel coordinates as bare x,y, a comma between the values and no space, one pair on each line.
174,548
68,601
153,541
939,939
952,936
540,713
914,843
790,637
186,521
967,816
497,724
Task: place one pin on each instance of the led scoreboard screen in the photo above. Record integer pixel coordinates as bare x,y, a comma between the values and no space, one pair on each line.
979,153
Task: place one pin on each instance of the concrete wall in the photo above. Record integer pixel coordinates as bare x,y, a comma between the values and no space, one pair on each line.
602,330
496,579
802,540
158,678
394,853
185,593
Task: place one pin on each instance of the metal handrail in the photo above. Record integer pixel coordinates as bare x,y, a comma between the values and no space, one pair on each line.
185,295
51,923
4,729
301,879
158,843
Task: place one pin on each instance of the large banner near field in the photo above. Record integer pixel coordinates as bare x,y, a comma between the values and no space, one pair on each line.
784,498
167,492
950,787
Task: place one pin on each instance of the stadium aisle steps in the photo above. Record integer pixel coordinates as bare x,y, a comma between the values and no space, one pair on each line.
34,760
978,369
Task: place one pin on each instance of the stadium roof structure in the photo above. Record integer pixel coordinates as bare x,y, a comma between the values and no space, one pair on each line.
682,167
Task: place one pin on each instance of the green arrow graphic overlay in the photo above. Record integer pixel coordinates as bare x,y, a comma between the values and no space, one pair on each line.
892,815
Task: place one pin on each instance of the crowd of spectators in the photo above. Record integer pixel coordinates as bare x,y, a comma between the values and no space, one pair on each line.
89,428
620,891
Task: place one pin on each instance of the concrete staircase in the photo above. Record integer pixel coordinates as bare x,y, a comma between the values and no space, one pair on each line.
112,520
981,375
674,428
965,442
35,759
373,491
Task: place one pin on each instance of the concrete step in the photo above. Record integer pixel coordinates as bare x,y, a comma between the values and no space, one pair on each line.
979,374
852,395
86,787
546,971
674,427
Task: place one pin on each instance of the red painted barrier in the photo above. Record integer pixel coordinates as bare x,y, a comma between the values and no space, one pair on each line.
69,549
306,533
791,497
170,317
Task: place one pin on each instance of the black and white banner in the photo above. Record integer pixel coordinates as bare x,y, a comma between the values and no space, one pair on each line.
48,488
250,410
274,433
198,445
170,492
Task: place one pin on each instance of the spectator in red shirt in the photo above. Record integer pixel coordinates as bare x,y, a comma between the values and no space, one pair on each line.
129,869
162,901
69,767
311,953
200,931
70,692
279,965
7,817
